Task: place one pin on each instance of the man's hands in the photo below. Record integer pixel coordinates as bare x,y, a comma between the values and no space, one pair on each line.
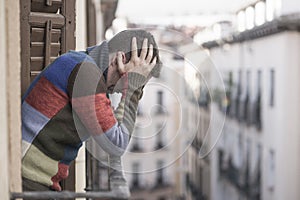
139,64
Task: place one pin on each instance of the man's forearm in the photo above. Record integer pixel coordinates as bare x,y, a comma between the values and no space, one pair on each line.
127,109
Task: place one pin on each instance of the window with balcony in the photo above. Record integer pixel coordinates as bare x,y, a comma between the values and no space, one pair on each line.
257,104
160,102
229,93
135,183
160,173
136,142
247,104
271,171
255,189
238,96
160,137
204,98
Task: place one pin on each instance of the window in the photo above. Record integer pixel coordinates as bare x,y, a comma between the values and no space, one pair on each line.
256,177
271,171
136,142
96,172
272,87
250,17
247,100
241,21
160,173
238,96
160,129
135,175
270,7
160,96
257,117
260,13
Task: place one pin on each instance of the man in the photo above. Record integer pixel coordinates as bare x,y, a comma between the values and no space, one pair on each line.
67,103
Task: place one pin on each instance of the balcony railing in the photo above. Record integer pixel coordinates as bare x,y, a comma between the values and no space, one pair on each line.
117,191
68,195
240,178
194,189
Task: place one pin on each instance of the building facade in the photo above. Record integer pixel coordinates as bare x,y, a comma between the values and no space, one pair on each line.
257,154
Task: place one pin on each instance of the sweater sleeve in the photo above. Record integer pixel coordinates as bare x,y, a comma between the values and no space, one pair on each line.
131,94
110,130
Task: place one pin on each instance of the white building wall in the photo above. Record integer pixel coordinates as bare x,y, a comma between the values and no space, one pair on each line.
81,44
10,99
289,6
4,178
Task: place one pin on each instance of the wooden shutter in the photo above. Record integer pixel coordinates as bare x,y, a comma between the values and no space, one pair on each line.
47,31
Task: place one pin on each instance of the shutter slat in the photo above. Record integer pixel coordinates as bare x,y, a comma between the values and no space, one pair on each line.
38,19
38,35
37,63
44,6
37,49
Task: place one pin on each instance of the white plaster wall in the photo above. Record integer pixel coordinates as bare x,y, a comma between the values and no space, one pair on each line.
81,26
290,6
4,178
13,72
81,40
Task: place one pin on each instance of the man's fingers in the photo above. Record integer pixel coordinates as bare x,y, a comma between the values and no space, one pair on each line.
134,53
153,63
150,54
144,49
121,66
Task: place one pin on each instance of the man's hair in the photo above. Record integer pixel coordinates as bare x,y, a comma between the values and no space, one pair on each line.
122,42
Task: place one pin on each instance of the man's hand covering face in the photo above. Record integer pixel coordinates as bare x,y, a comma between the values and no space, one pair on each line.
139,64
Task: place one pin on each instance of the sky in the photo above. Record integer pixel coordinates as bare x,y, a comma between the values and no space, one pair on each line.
180,11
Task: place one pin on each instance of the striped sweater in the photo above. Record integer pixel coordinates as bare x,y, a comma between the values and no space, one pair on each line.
66,104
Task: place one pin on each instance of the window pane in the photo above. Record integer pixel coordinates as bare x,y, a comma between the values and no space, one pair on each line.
250,17
260,15
241,21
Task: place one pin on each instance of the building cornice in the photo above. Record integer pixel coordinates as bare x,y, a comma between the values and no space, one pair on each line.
284,23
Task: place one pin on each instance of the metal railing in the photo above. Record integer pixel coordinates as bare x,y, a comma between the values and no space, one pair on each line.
66,195
118,188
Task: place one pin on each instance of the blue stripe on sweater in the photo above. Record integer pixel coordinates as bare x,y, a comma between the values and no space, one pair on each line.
58,72
70,153
114,141
32,122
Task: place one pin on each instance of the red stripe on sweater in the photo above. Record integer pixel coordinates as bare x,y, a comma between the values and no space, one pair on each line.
46,98
62,173
95,112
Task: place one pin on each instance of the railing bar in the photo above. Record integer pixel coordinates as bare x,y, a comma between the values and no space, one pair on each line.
66,195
